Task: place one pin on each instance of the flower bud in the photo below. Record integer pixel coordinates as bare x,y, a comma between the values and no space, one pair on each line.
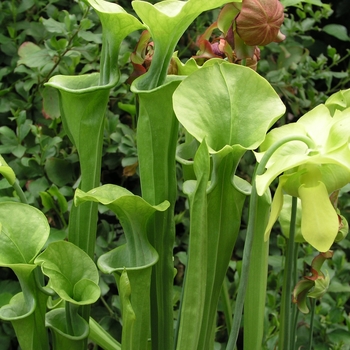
259,22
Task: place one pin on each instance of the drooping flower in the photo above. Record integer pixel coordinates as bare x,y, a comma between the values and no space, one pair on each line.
259,22
314,286
311,172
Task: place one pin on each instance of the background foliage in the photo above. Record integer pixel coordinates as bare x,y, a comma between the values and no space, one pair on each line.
39,39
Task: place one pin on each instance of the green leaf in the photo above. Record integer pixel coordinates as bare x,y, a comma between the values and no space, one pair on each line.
53,26
136,257
8,289
27,319
337,30
47,201
193,302
59,171
33,56
56,320
224,112
51,108
7,171
62,202
157,135
133,213
73,275
117,24
167,21
24,232
339,336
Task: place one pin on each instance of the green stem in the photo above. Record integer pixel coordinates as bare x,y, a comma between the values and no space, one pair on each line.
285,340
245,271
295,310
101,337
20,192
254,305
250,232
226,302
313,307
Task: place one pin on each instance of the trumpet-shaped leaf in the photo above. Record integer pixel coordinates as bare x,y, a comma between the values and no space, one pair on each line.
222,111
26,315
117,24
24,231
73,274
157,135
83,101
167,21
136,257
56,320
133,213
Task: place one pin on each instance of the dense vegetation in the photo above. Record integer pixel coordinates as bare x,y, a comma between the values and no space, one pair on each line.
39,39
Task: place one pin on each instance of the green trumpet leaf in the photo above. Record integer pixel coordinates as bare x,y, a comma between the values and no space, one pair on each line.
222,111
26,313
167,21
136,257
117,24
56,320
24,231
83,102
73,274
133,213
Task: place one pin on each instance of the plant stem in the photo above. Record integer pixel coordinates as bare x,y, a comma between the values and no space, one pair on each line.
312,316
245,271
254,305
20,192
285,339
101,337
295,311
225,297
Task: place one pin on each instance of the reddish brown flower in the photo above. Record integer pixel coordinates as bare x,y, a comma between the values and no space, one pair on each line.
259,22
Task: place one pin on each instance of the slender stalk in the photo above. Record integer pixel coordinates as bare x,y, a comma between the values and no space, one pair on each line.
225,298
285,339
245,271
295,310
312,316
254,305
101,337
20,192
